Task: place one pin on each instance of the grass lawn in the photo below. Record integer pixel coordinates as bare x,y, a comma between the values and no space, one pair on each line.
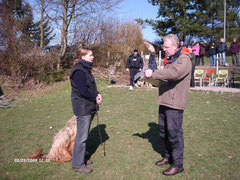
128,122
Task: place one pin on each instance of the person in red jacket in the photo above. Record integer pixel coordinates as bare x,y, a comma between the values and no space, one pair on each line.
235,48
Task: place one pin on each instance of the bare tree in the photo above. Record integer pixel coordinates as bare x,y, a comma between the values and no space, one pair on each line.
116,41
67,10
85,30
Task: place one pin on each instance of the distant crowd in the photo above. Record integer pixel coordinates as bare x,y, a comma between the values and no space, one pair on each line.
216,52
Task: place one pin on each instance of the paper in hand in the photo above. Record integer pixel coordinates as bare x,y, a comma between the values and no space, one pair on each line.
154,82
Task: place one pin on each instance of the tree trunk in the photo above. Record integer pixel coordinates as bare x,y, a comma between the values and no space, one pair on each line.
182,37
63,35
66,22
213,26
63,44
41,24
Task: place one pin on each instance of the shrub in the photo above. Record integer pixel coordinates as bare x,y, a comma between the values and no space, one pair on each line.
117,42
28,63
52,76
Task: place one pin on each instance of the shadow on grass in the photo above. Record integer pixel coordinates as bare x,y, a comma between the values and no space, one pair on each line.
153,137
94,140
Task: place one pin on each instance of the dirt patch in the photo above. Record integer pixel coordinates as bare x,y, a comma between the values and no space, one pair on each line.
120,77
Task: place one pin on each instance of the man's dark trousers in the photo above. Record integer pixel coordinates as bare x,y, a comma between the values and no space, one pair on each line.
201,57
170,125
235,56
133,72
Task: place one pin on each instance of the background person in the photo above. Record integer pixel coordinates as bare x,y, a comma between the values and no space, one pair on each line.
152,62
134,65
192,44
182,44
196,51
235,48
85,100
221,49
172,101
212,54
192,82
202,52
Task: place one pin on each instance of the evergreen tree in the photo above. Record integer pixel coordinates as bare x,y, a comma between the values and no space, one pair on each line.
211,13
26,24
20,15
26,30
175,16
203,19
47,33
10,14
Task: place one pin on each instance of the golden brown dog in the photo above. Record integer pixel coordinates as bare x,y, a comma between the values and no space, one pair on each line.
63,143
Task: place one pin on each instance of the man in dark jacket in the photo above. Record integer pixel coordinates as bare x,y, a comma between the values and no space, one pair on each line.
134,65
172,102
202,52
152,62
235,48
222,48
212,54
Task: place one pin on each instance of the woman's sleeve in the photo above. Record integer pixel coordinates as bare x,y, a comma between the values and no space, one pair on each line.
80,79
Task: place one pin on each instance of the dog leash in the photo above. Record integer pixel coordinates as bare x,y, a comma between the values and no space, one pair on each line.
99,132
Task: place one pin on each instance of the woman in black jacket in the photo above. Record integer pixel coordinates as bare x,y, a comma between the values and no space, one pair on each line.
85,100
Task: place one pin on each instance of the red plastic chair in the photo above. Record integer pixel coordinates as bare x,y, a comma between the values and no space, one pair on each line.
209,75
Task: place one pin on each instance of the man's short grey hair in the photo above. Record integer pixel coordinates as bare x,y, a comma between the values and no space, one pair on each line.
173,38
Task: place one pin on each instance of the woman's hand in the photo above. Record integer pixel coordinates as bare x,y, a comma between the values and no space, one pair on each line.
99,99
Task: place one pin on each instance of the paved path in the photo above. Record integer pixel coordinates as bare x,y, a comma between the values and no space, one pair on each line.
196,88
216,89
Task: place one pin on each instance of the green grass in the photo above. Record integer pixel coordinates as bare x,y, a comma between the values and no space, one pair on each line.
211,131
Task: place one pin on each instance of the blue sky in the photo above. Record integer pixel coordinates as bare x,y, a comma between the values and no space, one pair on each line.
134,9
130,10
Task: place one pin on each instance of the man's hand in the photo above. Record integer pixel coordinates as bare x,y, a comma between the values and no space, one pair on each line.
99,99
148,73
127,69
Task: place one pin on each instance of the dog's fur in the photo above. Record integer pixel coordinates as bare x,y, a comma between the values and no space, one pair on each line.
140,83
63,143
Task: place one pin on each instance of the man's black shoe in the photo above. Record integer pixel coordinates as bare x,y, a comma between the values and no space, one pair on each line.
172,170
83,170
162,162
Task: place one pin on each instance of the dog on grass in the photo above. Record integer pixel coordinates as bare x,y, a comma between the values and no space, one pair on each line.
63,143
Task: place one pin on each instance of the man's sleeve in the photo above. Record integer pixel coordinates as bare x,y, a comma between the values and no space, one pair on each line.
226,47
176,72
230,47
